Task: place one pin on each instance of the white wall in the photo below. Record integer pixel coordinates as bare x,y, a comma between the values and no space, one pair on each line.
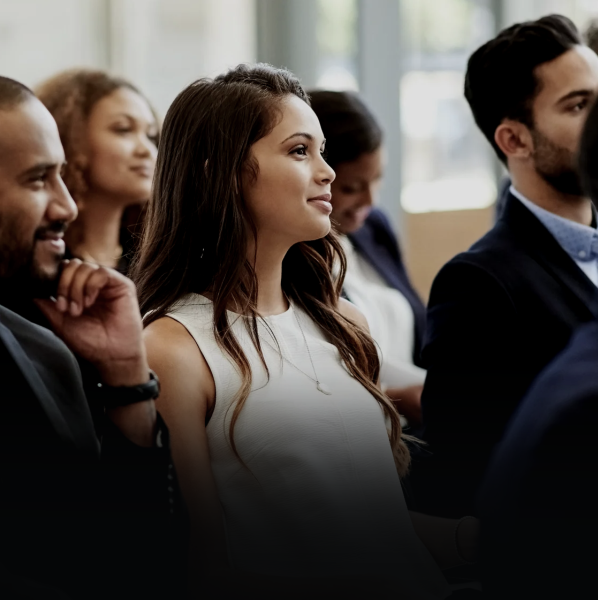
580,11
38,38
161,45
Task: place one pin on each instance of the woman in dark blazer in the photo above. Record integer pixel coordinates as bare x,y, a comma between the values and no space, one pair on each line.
377,281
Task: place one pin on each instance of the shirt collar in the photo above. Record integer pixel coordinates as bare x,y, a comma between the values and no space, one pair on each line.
574,238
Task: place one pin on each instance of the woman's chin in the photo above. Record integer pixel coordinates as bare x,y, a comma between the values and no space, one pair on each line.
317,233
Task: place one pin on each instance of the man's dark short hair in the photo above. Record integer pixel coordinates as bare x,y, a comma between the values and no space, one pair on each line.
13,93
500,82
588,155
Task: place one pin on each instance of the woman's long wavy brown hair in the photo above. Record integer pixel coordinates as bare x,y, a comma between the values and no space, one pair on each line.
198,228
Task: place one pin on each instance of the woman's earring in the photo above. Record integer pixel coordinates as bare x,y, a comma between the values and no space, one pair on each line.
202,251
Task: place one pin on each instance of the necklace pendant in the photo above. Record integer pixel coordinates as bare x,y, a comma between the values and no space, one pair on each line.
322,387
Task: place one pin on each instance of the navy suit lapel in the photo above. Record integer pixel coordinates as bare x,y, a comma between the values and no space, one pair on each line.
541,244
377,255
82,434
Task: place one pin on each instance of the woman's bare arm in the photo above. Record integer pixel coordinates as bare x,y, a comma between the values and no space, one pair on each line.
187,393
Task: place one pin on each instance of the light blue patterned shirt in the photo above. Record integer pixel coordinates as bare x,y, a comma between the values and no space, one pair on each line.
580,242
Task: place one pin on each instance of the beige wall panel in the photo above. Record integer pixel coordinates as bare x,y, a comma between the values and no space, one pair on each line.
431,239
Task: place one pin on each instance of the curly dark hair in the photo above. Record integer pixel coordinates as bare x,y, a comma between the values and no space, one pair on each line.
70,96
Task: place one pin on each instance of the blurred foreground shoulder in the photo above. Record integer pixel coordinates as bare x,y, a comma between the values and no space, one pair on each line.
351,312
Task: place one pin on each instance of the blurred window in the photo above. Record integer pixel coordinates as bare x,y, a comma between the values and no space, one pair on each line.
337,45
447,164
581,12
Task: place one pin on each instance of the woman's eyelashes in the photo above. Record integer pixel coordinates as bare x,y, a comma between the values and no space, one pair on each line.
300,150
303,150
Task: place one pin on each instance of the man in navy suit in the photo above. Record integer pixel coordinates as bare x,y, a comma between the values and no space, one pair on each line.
539,499
500,312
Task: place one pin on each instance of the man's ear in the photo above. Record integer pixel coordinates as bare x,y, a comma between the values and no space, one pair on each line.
514,139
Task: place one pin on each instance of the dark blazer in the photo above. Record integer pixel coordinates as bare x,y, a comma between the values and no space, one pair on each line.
88,523
377,243
498,314
49,460
539,500
503,195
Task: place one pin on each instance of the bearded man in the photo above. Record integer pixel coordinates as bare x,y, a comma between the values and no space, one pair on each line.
82,497
500,312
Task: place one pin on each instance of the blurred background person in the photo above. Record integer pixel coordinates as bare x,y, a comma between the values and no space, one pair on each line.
110,133
538,502
376,280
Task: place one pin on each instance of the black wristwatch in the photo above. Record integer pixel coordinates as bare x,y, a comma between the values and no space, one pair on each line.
112,397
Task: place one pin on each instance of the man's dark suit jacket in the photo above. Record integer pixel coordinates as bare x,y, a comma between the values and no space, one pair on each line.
497,315
377,243
86,523
539,501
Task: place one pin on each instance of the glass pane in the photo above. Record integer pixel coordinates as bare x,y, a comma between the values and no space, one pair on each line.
447,163
581,12
337,44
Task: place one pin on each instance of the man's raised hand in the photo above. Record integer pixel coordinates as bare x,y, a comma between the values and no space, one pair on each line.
96,314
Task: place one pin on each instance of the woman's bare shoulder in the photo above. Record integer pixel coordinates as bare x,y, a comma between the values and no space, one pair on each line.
178,361
166,337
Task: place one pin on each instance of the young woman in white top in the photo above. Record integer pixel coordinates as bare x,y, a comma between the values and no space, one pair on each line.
287,452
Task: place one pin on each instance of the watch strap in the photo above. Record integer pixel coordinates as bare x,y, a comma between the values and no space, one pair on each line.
113,397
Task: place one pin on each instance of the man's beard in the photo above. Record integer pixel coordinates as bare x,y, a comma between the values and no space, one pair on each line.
556,165
20,275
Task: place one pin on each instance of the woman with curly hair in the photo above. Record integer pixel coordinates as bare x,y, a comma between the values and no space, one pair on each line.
288,454
109,132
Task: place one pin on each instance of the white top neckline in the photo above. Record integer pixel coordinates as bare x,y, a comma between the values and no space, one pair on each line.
287,312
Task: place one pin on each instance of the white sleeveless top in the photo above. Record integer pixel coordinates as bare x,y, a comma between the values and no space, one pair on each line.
320,495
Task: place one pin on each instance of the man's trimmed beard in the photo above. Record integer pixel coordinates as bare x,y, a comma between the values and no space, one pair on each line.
20,276
556,165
